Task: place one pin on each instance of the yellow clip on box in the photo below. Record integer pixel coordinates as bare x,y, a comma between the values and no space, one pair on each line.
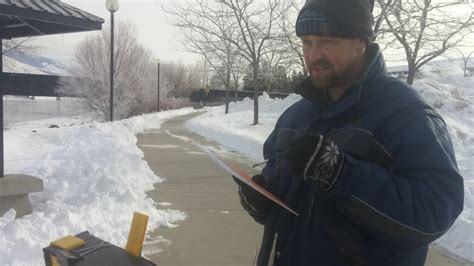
67,243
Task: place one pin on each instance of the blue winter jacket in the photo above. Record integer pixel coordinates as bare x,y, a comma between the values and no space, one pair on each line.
399,188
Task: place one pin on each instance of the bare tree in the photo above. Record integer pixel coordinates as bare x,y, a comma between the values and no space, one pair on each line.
237,74
178,80
290,46
381,8
425,29
465,65
205,29
257,25
465,60
134,73
254,22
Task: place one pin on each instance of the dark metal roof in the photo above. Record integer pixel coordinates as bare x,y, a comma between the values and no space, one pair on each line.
26,18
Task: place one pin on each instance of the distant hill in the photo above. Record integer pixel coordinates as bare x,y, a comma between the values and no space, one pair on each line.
20,62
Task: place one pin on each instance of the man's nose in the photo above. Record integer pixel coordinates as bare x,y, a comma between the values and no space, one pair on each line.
316,52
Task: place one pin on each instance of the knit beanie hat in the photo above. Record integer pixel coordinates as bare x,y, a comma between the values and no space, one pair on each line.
337,18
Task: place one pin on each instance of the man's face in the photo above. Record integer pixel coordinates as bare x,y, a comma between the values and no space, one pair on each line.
333,62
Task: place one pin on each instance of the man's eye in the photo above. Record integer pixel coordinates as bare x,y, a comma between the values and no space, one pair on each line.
306,43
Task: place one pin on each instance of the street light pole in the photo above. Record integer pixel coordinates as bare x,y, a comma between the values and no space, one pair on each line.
2,169
158,86
112,6
111,112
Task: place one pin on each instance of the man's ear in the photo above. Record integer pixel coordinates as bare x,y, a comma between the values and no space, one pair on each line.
361,45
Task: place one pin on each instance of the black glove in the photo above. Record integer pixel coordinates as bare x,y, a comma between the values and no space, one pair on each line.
252,201
314,157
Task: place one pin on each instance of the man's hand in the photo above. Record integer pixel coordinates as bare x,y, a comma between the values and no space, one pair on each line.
254,202
316,158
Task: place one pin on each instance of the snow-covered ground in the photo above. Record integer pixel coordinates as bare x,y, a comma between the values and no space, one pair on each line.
31,63
453,97
22,109
94,178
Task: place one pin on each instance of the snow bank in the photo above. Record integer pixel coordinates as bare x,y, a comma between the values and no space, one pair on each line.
94,177
453,97
235,131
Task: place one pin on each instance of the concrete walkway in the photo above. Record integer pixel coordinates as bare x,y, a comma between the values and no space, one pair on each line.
217,230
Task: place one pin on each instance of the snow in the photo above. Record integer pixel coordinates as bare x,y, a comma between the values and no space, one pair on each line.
452,95
94,179
15,66
454,99
234,130
22,109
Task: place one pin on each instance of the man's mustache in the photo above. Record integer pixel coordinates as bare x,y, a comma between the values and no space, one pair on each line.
319,64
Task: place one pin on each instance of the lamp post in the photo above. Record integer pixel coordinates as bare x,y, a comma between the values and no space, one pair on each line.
112,6
1,111
158,86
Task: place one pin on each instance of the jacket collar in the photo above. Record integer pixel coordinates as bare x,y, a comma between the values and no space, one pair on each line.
374,69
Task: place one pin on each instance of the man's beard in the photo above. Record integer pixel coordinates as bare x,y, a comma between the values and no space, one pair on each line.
331,78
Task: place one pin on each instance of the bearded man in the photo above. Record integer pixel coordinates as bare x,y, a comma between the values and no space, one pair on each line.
365,161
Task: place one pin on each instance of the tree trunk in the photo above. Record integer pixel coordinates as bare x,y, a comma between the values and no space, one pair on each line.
235,91
226,100
465,70
411,76
227,88
411,73
465,67
255,93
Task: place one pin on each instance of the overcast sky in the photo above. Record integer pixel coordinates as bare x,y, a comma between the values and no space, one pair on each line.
153,31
